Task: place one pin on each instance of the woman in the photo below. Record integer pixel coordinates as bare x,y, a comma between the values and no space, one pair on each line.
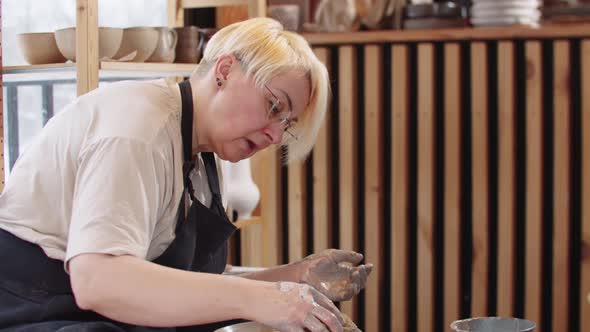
112,219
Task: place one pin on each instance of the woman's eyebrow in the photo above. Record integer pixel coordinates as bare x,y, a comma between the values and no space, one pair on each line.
288,99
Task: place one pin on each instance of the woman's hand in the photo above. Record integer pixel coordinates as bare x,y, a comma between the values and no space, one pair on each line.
297,307
335,273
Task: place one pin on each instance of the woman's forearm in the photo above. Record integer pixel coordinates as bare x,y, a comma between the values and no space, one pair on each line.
287,272
134,291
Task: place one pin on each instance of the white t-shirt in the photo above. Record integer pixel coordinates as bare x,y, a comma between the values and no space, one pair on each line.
104,175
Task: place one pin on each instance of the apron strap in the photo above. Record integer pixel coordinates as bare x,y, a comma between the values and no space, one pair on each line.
211,168
213,179
187,143
187,119
186,96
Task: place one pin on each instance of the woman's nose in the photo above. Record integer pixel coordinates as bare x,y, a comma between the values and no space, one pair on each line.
274,133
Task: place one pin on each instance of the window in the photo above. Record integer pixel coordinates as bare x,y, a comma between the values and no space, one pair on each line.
29,104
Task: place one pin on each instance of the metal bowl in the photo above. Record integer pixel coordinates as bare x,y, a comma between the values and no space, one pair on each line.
483,324
246,327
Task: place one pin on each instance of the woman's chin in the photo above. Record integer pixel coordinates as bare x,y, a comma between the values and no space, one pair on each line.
232,157
235,153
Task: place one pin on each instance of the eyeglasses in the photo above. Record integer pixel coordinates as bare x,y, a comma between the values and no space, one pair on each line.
277,112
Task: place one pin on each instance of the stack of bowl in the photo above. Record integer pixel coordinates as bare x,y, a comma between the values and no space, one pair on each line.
147,44
505,12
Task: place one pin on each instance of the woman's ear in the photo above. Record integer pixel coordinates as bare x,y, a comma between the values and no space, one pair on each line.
223,66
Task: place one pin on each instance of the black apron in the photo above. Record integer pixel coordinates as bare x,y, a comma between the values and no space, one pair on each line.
35,291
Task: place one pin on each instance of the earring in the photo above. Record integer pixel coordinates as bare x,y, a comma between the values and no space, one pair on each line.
219,83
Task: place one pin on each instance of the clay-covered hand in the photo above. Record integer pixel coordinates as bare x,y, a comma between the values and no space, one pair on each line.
349,325
335,273
299,307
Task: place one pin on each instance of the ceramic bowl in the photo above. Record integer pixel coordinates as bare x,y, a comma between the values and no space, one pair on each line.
40,48
142,40
109,41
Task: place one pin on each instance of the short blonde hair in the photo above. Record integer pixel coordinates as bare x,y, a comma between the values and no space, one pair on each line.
265,50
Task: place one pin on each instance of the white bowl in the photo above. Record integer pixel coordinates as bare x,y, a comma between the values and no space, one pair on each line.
40,48
142,40
109,41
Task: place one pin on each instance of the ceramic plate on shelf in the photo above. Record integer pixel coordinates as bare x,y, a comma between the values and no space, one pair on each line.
503,6
503,21
532,13
494,3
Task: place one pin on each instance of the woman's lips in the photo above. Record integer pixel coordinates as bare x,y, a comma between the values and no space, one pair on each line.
251,146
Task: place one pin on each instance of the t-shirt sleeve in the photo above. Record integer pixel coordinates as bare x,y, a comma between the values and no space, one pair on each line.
117,198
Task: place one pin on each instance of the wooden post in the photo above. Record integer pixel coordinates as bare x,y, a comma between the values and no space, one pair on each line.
226,15
87,62
257,8
175,13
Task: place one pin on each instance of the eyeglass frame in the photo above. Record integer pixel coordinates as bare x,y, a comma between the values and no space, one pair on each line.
286,120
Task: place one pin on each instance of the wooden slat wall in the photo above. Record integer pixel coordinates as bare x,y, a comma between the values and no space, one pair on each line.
534,182
373,159
269,175
348,155
297,207
400,196
322,177
480,182
561,185
426,168
452,190
506,178
481,150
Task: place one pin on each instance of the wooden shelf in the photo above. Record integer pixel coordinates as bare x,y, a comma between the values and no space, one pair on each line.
392,36
49,72
67,71
146,69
